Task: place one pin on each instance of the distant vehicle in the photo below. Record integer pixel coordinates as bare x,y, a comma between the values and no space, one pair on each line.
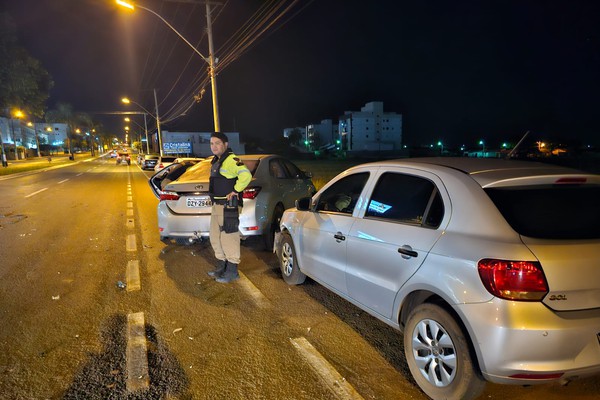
164,161
123,158
149,161
185,205
113,154
490,267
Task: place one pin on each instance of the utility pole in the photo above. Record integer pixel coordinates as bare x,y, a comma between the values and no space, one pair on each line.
211,53
160,148
211,69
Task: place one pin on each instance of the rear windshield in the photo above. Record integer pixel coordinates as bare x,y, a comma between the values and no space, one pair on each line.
551,211
201,171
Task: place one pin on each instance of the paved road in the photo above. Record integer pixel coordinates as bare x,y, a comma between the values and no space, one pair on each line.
78,323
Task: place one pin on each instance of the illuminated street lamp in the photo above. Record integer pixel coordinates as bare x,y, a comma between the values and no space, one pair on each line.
126,100
482,143
441,145
18,114
210,59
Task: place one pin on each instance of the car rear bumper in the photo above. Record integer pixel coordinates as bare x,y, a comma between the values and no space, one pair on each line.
526,343
173,225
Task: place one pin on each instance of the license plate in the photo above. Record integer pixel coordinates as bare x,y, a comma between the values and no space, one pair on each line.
194,202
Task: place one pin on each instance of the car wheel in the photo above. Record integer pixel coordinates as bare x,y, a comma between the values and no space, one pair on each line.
438,355
288,262
272,228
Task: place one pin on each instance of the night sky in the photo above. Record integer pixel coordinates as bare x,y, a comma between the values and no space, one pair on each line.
458,71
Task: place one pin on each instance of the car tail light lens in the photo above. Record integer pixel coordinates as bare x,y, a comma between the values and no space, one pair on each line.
168,196
251,192
513,280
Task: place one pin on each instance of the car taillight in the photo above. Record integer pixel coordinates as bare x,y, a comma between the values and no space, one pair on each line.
168,196
251,192
513,280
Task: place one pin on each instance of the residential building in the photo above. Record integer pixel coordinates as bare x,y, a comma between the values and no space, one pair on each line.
370,129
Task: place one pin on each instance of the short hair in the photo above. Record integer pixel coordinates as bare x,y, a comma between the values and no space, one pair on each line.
220,136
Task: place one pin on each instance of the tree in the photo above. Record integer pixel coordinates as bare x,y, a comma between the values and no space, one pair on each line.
64,113
24,83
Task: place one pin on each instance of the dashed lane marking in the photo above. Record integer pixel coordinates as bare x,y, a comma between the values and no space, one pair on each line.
63,181
133,276
137,356
328,375
259,299
34,193
130,212
131,243
130,223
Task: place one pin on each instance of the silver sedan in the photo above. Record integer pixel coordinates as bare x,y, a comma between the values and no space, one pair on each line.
489,267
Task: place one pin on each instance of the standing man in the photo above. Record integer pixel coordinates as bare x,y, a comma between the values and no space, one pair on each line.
228,178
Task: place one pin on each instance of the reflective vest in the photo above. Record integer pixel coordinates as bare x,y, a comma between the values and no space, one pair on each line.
227,174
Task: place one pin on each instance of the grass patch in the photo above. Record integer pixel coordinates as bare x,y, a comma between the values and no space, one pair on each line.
325,170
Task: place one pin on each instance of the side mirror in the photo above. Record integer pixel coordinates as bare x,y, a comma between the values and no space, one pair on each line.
303,204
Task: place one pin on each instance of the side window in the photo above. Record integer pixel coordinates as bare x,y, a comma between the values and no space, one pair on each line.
407,199
343,195
293,171
276,169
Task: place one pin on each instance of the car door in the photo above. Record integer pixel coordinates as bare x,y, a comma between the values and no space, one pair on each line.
325,232
399,225
288,181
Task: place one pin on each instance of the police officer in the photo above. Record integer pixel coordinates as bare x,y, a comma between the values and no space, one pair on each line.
228,178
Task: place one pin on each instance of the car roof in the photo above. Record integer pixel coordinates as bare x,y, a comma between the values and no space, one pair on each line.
492,171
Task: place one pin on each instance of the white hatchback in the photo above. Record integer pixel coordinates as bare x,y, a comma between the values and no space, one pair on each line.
185,205
491,268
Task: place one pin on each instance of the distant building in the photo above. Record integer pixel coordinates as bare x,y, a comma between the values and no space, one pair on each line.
24,134
321,135
196,143
370,129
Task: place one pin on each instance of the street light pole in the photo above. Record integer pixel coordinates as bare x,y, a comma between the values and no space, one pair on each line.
210,59
160,148
211,69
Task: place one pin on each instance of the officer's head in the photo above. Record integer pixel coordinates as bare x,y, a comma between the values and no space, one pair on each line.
218,143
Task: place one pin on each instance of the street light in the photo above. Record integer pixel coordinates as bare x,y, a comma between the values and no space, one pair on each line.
126,100
439,143
18,114
482,143
210,59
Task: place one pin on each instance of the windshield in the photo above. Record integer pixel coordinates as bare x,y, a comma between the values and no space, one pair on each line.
551,211
201,171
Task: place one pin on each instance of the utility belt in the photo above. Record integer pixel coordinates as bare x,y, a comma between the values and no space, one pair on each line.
231,214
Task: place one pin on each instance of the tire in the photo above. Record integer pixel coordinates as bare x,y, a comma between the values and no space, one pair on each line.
269,235
438,355
288,262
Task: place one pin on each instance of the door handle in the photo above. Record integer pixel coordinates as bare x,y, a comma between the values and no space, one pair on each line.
339,237
407,252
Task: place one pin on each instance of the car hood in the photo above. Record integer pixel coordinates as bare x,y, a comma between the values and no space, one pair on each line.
572,270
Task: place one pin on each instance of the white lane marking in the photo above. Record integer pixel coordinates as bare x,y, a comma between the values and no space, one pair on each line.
328,375
137,354
34,193
133,276
130,223
131,243
129,198
130,212
79,174
259,299
63,181
130,204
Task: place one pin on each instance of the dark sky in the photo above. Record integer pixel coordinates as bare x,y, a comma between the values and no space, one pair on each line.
458,71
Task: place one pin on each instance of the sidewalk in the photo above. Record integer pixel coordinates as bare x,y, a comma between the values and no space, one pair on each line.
37,163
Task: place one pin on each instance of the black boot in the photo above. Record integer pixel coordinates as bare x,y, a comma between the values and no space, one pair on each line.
219,269
230,275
